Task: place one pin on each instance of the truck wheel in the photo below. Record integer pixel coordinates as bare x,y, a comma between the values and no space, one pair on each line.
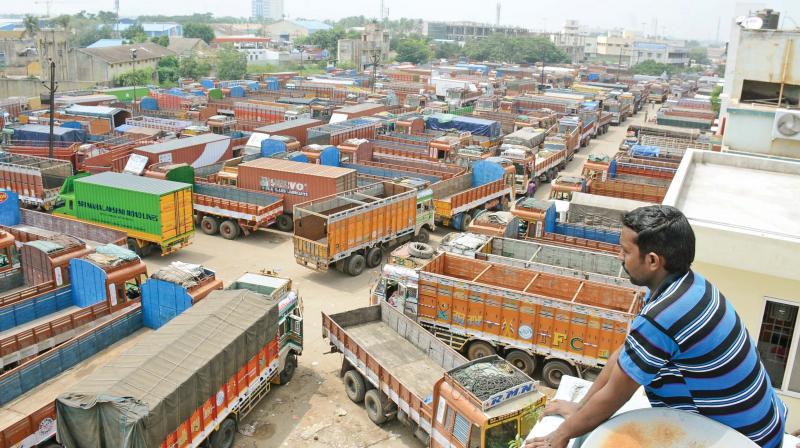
133,246
420,250
376,406
423,236
229,229
374,257
224,435
288,368
354,386
553,370
284,223
479,349
209,225
465,222
522,361
355,265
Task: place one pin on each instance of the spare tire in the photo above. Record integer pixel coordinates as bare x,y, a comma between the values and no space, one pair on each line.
420,250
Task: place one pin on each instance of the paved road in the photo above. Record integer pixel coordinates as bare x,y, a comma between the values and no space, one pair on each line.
312,411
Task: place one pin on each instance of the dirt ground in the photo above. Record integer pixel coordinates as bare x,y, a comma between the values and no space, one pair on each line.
312,410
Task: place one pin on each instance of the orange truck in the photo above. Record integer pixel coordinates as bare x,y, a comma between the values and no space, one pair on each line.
487,186
529,316
349,229
232,211
398,370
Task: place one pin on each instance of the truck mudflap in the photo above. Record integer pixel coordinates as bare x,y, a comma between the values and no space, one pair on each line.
176,244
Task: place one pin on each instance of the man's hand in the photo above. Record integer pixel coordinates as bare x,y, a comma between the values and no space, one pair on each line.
553,440
561,407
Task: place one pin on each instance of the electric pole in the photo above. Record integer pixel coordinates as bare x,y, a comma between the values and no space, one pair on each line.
52,89
375,59
133,60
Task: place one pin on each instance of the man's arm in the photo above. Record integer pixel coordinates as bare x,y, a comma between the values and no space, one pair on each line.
600,407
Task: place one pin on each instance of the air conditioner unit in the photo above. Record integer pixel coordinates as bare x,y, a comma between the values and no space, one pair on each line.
786,125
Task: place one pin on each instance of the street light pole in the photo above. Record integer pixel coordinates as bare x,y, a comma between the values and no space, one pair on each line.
52,89
133,59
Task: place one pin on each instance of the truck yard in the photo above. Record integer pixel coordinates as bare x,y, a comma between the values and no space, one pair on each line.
386,237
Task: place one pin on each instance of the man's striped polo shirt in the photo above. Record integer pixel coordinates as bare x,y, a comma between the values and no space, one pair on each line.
690,351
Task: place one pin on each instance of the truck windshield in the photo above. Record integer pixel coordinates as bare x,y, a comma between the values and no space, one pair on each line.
500,435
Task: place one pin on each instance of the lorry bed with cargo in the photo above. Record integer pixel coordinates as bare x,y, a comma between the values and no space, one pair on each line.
153,212
348,229
400,371
36,180
232,211
146,390
629,186
487,186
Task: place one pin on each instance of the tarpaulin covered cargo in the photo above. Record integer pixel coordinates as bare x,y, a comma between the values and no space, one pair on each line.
139,399
41,133
477,126
596,210
197,151
645,150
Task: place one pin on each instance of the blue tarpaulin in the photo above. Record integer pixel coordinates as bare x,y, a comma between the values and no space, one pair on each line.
329,156
41,133
9,208
477,126
484,172
645,151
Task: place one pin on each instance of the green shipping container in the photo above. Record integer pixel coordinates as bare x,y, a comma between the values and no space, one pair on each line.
150,209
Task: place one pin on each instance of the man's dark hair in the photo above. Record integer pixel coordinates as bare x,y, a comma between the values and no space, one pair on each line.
665,231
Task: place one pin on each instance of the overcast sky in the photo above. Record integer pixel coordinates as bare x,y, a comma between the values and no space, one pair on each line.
680,18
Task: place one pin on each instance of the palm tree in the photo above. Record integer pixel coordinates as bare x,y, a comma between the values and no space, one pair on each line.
63,21
31,25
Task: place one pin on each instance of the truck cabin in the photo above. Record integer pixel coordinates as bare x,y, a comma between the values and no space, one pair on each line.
495,223
563,187
465,157
531,213
7,251
198,281
522,158
486,403
595,166
48,259
487,103
221,124
290,306
124,272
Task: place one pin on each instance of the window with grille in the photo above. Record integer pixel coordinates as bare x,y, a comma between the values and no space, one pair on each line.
776,341
461,429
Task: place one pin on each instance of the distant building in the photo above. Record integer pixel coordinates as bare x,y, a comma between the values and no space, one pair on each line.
267,9
105,63
463,31
359,52
571,41
16,51
155,29
757,95
629,49
106,43
254,47
289,30
189,46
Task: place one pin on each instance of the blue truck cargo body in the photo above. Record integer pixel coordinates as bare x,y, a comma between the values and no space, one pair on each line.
36,307
41,133
552,225
92,281
162,301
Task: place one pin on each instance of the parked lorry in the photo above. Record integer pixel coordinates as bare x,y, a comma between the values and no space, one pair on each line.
400,371
495,223
197,151
527,315
487,186
232,211
348,229
153,212
298,182
541,221
564,261
528,137
36,180
49,403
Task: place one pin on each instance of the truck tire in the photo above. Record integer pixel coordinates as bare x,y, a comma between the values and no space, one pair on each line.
284,223
355,265
133,246
374,257
289,366
465,221
420,250
553,370
375,406
423,236
354,386
209,225
522,361
229,229
224,435
480,349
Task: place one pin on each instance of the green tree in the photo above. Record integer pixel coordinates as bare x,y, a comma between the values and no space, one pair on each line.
699,54
138,77
63,21
231,64
447,50
89,35
199,30
326,39
31,24
720,70
161,40
515,50
652,68
107,18
193,68
412,50
167,70
715,101
134,33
